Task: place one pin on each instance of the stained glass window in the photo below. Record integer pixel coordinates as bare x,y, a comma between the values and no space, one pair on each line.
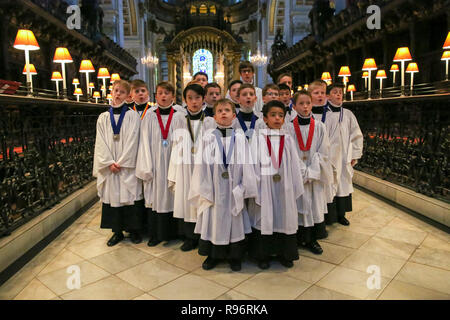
203,61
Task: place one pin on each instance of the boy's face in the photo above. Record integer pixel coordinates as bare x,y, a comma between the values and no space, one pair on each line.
318,95
247,98
285,97
119,95
336,96
194,101
270,95
247,75
275,118
303,105
287,81
212,95
234,92
224,115
164,97
139,95
201,80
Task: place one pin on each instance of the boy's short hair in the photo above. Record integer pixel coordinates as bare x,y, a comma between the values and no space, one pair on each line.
212,85
317,83
335,85
246,65
269,86
201,73
122,83
138,83
286,74
224,101
273,104
301,93
232,83
194,87
246,86
166,85
284,87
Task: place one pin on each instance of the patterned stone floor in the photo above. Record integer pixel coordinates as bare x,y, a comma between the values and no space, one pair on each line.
412,256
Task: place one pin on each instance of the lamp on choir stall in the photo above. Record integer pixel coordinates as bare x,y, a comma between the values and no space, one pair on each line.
369,65
412,68
103,74
114,77
344,72
87,67
32,71
394,70
351,88
62,56
56,76
381,74
326,77
109,97
75,82
306,86
78,92
447,42
446,57
26,41
365,76
90,87
96,96
402,55
299,88
110,88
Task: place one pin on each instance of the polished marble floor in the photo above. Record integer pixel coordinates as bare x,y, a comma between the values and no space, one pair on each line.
413,259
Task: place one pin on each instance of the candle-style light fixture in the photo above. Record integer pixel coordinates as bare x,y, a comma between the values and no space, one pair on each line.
32,71
299,88
326,76
62,56
365,76
394,70
109,98
402,55
381,74
344,72
114,77
87,67
78,92
351,88
103,74
96,96
56,76
412,68
447,42
369,65
306,86
75,82
91,87
445,57
26,41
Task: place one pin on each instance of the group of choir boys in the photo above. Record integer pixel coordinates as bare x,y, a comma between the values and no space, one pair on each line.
259,172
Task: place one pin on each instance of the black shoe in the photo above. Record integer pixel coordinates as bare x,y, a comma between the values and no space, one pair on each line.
264,264
115,239
235,264
153,242
188,245
344,221
286,263
209,263
135,237
315,247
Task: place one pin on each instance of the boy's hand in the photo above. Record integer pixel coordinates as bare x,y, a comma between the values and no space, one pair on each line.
115,168
354,161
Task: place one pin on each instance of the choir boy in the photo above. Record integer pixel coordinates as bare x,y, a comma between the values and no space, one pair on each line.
116,146
270,92
212,95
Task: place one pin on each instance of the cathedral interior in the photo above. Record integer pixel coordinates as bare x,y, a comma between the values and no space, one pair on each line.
50,213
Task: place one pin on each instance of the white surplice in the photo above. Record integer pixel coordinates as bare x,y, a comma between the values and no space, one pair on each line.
222,216
182,162
122,188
